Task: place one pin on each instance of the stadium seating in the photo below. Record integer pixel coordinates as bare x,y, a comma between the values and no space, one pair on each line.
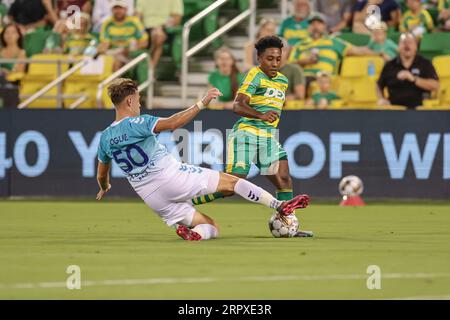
86,84
442,66
435,44
356,87
38,76
355,38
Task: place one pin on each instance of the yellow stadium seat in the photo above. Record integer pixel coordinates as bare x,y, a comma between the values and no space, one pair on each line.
296,105
358,92
358,66
38,76
85,83
442,66
46,71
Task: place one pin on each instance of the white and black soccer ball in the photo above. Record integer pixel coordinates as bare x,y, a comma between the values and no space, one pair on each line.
351,186
282,229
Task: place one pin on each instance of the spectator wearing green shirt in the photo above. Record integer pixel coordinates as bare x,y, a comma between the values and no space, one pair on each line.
380,43
267,27
122,36
295,75
226,78
160,18
324,97
295,28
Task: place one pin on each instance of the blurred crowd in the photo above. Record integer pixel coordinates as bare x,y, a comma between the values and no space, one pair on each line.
313,49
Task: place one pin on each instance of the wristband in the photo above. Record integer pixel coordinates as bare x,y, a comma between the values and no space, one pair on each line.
200,105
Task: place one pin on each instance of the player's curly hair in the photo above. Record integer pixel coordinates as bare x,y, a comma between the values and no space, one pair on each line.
268,42
121,88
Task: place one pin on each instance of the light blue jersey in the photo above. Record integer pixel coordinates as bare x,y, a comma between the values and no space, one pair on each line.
133,145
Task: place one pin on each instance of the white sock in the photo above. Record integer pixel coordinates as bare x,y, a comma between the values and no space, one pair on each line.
207,231
251,192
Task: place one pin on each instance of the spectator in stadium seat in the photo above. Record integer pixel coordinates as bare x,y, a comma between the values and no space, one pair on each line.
295,75
409,78
444,14
324,97
322,52
77,40
380,43
102,10
389,10
226,78
62,7
11,40
267,27
121,34
30,14
160,18
416,20
295,28
337,13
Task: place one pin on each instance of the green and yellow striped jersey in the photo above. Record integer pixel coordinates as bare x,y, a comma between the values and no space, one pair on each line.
265,94
411,21
120,34
294,31
330,50
76,43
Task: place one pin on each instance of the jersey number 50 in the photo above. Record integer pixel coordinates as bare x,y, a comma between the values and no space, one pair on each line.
127,163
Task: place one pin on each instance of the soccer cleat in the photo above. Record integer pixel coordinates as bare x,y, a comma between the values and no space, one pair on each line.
298,202
304,234
188,234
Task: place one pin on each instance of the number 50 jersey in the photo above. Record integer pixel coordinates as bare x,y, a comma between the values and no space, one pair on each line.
133,145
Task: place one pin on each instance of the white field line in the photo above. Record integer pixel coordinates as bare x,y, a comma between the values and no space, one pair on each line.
161,281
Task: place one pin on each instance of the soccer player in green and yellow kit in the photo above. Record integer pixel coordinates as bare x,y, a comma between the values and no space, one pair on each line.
259,102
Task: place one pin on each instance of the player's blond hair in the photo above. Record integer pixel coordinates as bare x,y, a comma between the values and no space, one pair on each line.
121,88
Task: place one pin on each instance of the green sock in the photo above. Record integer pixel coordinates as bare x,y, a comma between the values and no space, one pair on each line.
284,194
207,198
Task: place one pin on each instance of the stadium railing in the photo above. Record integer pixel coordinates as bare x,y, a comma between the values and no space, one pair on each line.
148,84
57,82
189,52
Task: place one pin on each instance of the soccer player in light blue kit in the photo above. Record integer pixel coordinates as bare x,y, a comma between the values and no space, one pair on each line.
166,185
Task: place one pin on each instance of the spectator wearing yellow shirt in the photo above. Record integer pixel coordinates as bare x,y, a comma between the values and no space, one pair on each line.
416,20
124,38
322,52
78,40
444,13
295,28
160,18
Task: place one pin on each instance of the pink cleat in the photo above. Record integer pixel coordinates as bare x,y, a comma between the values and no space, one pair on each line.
298,202
188,234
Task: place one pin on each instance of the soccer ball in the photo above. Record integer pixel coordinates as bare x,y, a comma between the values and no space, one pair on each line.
281,229
351,186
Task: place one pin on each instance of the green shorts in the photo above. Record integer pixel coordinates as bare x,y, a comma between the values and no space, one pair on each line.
245,148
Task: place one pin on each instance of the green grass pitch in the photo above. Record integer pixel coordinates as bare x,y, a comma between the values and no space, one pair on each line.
126,252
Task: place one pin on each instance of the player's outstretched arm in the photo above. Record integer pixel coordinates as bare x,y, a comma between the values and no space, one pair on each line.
179,119
241,107
103,179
